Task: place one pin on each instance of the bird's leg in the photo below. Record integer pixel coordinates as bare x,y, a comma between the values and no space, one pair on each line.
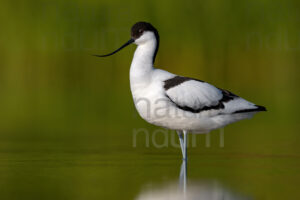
180,135
183,176
185,145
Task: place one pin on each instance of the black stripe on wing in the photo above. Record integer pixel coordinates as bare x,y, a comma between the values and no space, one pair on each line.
258,109
177,80
227,96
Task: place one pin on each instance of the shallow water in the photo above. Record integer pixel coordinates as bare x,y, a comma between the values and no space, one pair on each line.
56,170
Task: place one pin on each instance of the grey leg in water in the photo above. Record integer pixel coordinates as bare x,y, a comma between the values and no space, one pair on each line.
183,143
183,177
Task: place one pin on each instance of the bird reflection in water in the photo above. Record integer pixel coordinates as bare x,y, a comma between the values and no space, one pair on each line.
194,190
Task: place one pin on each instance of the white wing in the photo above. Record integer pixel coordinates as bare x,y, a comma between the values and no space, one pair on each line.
196,96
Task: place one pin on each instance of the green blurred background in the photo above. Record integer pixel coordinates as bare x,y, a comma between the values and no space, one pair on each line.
67,118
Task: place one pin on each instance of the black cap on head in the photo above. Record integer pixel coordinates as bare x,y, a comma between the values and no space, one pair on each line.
138,29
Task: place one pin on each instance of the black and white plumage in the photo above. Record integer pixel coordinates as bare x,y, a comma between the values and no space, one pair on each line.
176,102
201,96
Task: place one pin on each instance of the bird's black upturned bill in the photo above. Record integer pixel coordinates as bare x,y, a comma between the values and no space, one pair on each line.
124,45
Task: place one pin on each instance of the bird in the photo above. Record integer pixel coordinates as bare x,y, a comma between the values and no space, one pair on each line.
186,105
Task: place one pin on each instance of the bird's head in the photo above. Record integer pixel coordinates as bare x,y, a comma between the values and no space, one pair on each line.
141,33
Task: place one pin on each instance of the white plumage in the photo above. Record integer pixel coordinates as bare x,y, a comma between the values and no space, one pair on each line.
176,102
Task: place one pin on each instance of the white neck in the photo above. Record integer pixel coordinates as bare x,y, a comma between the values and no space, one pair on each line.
142,63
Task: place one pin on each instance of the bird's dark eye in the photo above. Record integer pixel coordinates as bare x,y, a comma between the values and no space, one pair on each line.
141,30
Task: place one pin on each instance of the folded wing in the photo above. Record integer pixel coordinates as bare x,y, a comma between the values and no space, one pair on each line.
196,96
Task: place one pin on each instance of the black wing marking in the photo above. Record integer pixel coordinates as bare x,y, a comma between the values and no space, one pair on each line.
177,80
227,96
259,108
